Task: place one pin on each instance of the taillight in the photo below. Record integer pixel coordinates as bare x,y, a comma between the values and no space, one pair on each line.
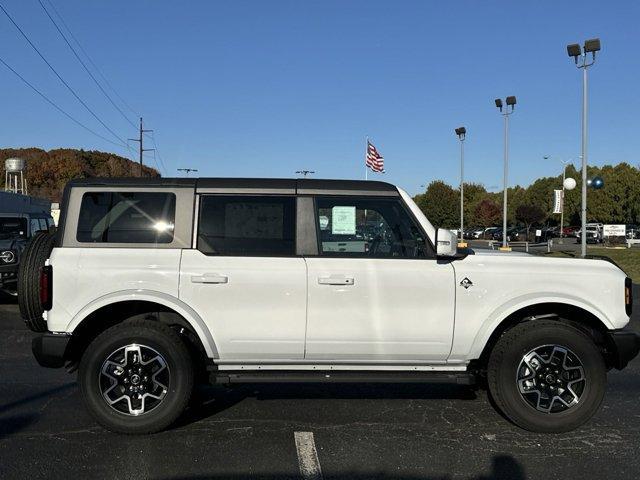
46,285
628,296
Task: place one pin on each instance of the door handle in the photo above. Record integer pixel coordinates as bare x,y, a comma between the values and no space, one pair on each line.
336,280
210,278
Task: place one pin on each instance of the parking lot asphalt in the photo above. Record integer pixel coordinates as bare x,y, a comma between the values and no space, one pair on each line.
360,431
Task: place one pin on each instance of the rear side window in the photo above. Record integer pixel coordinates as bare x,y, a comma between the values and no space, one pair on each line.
126,217
247,225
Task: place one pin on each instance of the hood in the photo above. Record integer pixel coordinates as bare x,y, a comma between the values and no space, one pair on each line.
11,243
483,252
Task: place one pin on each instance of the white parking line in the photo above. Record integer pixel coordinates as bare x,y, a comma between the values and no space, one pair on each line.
307,456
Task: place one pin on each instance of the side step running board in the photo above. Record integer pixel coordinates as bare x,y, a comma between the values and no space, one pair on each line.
459,378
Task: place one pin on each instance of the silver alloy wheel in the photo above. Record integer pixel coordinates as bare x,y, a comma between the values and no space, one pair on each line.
551,378
134,379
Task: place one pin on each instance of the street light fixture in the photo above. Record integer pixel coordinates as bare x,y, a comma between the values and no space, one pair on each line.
511,102
590,46
304,173
461,132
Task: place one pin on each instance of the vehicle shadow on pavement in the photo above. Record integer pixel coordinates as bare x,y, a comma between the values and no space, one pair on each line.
14,424
38,396
503,467
7,299
210,400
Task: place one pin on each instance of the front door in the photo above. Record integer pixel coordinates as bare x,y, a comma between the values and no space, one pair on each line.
244,279
376,291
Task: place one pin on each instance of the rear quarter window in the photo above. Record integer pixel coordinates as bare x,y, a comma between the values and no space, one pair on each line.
126,217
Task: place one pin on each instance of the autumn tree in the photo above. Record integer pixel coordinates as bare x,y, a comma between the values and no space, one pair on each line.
487,213
441,204
529,214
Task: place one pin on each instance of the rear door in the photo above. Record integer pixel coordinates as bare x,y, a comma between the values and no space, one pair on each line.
376,291
244,278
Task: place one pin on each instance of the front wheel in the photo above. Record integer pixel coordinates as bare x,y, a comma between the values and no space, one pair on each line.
136,377
547,376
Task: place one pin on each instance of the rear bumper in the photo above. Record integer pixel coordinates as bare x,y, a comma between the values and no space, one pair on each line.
50,348
626,345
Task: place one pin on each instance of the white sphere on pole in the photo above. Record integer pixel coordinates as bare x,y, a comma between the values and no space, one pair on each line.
569,183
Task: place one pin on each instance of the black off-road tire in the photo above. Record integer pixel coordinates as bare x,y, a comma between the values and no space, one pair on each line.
32,260
502,371
167,343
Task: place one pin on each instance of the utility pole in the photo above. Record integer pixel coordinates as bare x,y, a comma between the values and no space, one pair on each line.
187,171
139,140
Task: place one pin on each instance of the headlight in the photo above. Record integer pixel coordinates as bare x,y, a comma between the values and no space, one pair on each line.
8,256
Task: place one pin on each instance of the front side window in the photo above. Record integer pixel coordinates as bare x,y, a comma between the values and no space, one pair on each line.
247,225
368,227
127,217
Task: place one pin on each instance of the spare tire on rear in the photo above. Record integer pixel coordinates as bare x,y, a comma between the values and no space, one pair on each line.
32,260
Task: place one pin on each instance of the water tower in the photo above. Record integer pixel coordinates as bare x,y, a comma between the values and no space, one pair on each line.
14,179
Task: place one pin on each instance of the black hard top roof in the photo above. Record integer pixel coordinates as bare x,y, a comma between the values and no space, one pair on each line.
298,185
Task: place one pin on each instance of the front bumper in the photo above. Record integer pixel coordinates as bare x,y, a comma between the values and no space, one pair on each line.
626,346
8,274
50,349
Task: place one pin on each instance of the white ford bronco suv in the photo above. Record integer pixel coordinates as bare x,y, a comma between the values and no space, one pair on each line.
150,285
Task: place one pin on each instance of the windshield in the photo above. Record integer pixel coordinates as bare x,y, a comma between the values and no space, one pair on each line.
13,227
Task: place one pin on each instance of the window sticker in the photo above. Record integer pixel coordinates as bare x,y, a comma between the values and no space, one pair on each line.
324,222
343,220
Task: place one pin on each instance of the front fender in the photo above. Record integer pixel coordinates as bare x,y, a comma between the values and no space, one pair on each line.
505,310
169,301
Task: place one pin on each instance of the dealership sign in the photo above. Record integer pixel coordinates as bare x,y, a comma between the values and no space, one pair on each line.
557,201
614,230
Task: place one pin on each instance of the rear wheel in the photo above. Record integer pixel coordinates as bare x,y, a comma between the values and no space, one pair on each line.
136,377
547,376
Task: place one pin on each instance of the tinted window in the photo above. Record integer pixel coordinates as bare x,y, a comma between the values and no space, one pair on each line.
246,226
127,217
363,227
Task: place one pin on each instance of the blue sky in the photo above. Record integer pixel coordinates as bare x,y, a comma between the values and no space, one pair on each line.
264,88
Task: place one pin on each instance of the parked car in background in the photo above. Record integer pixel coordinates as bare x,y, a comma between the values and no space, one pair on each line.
633,232
489,231
21,217
594,233
570,231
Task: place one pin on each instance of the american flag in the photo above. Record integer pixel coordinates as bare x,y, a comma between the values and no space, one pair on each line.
374,160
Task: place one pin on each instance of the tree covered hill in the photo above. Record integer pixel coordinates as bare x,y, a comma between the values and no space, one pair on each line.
48,172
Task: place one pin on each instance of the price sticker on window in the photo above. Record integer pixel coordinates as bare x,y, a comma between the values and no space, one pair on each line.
343,220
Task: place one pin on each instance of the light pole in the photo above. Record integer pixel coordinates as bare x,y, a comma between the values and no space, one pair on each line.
510,102
304,173
461,132
590,46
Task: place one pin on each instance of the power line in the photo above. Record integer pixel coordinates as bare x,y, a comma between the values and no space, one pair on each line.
156,150
102,75
53,104
84,65
60,77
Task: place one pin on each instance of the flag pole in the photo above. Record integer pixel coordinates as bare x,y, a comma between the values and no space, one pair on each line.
366,150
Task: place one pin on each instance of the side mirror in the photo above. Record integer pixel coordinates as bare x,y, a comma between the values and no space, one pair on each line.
447,243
